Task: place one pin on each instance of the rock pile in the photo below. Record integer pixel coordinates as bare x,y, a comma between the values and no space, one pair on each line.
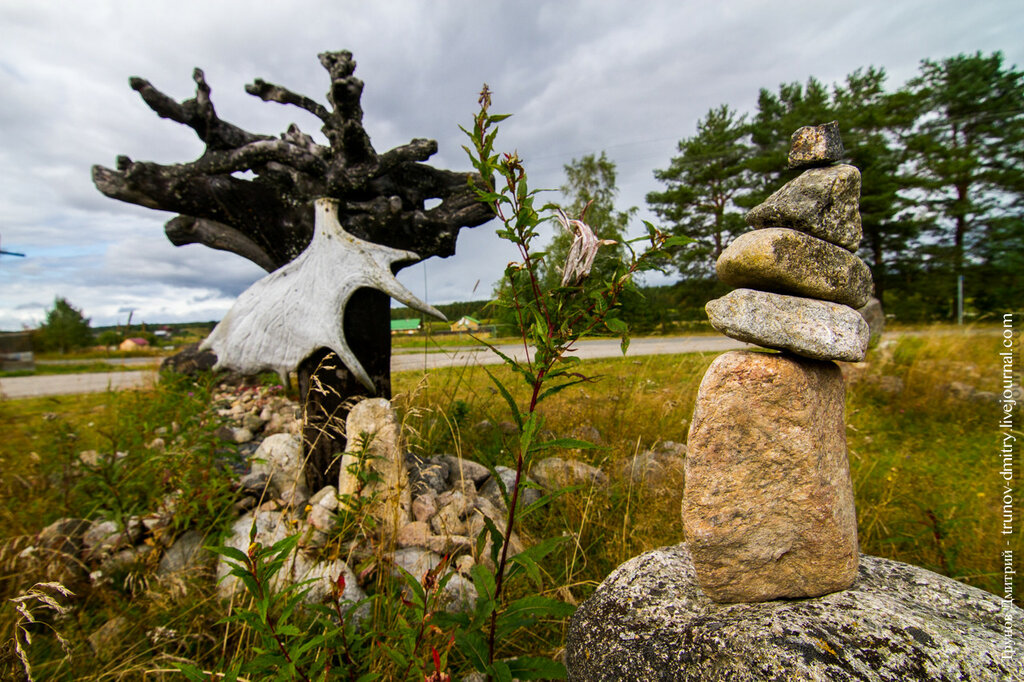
800,282
768,509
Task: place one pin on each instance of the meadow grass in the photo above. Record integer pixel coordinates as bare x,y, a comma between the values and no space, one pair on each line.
923,460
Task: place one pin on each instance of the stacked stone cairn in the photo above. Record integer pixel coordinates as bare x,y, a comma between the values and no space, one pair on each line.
768,509
769,584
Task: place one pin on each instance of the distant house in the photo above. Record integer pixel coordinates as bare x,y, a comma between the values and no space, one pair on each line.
136,343
405,326
466,324
16,351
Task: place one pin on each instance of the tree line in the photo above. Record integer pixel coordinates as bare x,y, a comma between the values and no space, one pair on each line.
942,161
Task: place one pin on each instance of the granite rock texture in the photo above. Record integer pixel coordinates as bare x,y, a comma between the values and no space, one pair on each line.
768,510
875,317
786,261
649,620
815,146
823,202
820,330
374,444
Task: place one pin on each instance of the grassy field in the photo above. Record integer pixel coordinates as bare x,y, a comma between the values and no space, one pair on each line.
923,456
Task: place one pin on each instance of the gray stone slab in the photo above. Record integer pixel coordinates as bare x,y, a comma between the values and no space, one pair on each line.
821,330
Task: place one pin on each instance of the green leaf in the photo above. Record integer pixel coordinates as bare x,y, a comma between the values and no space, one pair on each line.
483,580
473,646
230,553
567,443
616,326
558,388
513,408
533,423
500,671
677,241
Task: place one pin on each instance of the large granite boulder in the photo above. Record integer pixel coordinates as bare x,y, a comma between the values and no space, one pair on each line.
649,620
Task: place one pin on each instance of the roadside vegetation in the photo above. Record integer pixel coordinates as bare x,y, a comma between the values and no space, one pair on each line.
921,451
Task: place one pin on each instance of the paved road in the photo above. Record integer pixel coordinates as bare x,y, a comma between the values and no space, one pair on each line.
407,359
402,360
63,384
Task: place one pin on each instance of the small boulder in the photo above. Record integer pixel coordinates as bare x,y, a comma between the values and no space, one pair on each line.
190,360
817,145
527,495
554,472
186,553
280,457
875,318
465,469
426,474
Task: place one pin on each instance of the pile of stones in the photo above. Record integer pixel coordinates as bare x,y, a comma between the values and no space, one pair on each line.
768,508
801,284
420,508
769,583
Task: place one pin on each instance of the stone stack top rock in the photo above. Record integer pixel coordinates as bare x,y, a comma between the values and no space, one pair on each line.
813,146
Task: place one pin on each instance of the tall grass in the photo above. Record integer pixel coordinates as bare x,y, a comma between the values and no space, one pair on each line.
923,457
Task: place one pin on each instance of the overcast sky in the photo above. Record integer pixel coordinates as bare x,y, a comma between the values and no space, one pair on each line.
629,78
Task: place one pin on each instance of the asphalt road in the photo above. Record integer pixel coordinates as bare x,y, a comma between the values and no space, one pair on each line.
401,360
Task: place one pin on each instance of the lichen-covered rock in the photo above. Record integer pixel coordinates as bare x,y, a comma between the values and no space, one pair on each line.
823,202
786,261
815,145
554,472
768,508
280,458
875,317
821,330
649,620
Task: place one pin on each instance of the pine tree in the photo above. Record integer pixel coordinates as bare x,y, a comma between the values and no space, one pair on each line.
965,166
704,184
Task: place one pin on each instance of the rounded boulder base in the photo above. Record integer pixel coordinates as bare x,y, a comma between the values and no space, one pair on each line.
786,261
649,620
768,508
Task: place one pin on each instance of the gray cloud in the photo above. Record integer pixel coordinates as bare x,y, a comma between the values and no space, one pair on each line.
630,78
